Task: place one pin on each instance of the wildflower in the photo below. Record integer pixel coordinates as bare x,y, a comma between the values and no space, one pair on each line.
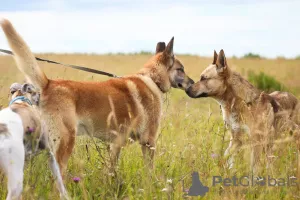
31,130
152,148
214,155
169,180
76,179
111,174
164,190
130,140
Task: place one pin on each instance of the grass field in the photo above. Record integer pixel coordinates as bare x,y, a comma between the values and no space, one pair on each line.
192,138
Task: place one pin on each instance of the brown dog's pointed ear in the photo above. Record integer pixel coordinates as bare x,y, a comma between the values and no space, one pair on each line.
160,47
169,48
221,62
215,57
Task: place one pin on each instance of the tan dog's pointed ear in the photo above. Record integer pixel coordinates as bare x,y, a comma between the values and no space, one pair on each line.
169,50
221,62
160,47
215,57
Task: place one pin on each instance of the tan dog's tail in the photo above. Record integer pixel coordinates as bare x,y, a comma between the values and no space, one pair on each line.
24,58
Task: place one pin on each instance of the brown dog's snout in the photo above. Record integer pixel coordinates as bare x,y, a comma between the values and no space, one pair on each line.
190,83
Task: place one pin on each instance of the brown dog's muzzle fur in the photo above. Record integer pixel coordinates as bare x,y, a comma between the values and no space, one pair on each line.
178,77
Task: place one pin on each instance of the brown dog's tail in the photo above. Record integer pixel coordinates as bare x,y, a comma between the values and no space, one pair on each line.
23,56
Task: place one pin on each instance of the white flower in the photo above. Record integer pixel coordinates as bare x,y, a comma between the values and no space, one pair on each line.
164,190
130,140
111,174
169,180
141,190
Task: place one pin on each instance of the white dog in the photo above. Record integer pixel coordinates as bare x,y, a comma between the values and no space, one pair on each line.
20,135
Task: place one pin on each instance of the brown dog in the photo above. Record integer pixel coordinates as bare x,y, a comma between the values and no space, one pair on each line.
244,107
113,110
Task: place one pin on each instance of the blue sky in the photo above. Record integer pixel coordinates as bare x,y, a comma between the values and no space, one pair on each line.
269,28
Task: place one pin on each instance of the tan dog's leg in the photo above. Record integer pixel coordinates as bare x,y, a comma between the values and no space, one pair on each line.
234,145
256,152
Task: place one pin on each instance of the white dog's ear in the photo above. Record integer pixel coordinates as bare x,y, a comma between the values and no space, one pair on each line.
215,57
221,62
28,88
169,49
160,47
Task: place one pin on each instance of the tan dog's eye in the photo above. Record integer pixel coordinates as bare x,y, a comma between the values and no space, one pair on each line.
202,78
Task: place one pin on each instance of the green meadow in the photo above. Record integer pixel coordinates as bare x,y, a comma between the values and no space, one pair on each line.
192,137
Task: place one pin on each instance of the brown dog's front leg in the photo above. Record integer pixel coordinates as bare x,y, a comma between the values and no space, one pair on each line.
148,150
115,150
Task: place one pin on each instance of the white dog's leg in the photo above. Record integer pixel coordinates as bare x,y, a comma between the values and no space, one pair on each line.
57,176
14,169
15,183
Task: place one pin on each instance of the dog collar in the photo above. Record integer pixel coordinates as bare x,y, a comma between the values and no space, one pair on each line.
20,98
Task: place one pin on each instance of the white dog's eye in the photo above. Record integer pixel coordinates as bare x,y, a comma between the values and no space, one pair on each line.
12,92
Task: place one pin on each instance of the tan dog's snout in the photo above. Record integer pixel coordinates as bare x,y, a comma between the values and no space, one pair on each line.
195,91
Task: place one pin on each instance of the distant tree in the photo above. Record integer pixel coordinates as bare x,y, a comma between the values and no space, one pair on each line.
145,52
252,55
281,58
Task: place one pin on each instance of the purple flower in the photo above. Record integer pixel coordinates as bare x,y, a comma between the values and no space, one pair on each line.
186,190
214,155
76,179
31,130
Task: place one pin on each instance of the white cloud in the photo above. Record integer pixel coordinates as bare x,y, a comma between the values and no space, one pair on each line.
267,28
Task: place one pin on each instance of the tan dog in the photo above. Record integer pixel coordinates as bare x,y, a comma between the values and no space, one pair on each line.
113,110
244,107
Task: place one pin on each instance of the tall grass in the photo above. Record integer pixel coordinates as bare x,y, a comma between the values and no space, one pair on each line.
192,137
265,82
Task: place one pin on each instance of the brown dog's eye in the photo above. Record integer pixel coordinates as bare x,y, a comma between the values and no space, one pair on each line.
180,69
